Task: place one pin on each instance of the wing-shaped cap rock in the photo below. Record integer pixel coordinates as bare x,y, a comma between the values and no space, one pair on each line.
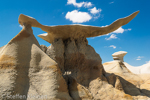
74,31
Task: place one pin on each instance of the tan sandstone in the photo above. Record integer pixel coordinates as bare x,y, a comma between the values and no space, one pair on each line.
74,31
136,85
69,69
26,70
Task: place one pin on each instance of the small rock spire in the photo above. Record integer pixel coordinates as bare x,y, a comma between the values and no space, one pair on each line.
119,55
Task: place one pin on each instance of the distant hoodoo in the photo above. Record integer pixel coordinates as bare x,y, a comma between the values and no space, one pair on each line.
119,55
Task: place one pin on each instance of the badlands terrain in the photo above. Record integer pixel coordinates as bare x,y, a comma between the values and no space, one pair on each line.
69,69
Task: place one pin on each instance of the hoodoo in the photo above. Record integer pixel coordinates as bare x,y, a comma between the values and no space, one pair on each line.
69,69
74,31
115,66
119,55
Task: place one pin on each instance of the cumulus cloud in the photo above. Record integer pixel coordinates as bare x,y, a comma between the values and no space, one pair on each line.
85,4
121,30
74,15
113,46
139,57
112,36
95,10
93,13
78,17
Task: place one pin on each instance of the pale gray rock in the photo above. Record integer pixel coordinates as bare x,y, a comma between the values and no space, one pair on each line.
80,65
85,76
119,55
56,52
131,83
26,70
143,69
118,58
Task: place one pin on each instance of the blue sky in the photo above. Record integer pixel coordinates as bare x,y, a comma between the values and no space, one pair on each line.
133,37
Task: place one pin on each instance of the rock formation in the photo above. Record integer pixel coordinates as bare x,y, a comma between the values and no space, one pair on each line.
25,70
1,48
118,59
83,70
143,69
79,63
136,85
119,55
74,31
44,48
69,69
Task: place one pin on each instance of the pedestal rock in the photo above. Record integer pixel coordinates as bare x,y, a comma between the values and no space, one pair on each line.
69,69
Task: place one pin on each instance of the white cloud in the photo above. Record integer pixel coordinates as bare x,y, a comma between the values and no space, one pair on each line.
129,29
111,2
96,17
112,36
139,57
78,17
75,3
121,30
113,46
95,11
85,4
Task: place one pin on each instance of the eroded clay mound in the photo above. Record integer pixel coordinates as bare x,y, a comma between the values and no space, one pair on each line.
26,70
86,77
